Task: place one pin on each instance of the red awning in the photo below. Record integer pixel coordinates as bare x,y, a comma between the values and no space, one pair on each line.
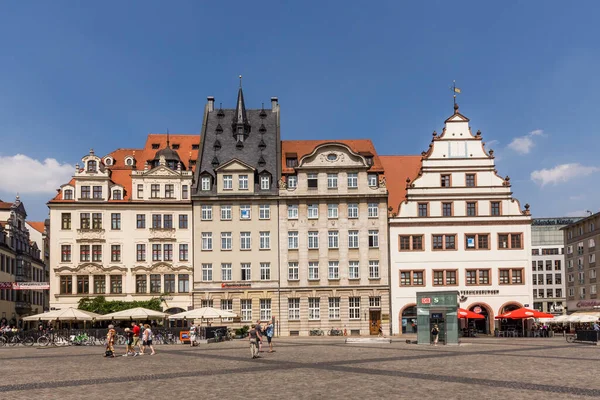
523,313
462,313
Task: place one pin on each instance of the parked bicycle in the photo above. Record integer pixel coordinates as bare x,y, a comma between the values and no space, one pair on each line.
570,338
335,332
17,339
316,332
51,339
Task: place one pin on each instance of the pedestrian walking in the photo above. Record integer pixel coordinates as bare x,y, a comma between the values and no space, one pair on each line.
269,331
110,342
192,335
435,331
129,342
255,339
147,342
136,339
259,329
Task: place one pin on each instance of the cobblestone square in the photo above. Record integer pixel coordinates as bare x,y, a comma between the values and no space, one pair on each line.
304,368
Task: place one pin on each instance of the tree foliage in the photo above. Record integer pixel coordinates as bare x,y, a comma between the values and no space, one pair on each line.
102,306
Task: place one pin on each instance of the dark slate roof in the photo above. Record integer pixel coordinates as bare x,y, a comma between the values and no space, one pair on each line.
261,129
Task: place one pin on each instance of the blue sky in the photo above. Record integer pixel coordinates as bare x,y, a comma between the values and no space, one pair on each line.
75,75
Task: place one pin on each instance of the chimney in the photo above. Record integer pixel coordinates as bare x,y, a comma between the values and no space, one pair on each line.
211,103
274,103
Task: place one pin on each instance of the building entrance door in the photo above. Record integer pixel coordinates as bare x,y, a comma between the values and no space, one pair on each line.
375,321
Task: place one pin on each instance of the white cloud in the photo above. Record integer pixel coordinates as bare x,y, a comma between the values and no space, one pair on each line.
578,197
491,143
580,213
524,144
23,174
561,173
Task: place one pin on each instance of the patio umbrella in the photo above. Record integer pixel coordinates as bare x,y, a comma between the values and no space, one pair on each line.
134,313
204,313
522,314
462,313
585,318
67,314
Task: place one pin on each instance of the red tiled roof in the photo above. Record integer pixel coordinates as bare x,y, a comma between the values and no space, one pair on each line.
304,147
5,206
398,168
37,225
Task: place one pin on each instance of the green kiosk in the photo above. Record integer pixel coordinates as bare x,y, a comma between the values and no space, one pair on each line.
439,308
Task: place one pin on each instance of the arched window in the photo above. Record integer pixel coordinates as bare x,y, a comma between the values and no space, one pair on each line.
92,166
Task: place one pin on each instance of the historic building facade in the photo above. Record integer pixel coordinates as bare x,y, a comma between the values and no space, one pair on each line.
581,241
333,238
456,227
122,227
235,197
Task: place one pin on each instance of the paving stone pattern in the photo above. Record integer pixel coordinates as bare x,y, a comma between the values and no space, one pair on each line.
309,369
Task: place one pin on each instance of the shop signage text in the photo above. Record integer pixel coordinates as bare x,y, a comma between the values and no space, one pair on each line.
554,221
426,300
588,303
25,285
235,285
478,292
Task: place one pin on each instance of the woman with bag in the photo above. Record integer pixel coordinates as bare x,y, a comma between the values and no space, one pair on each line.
435,331
110,342
148,339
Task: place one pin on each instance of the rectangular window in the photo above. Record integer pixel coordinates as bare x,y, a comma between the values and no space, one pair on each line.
445,181
169,283
313,211
65,254
83,284
313,270
470,180
293,271
66,221
352,210
226,272
495,208
265,271
225,213
140,250
115,253
245,212
168,221
156,221
169,191
183,221
243,182
116,284
97,252
245,241
246,271
68,194
226,242
96,220
140,221
265,183
312,181
353,239
183,252
205,183
314,309
155,283
332,210
246,308
206,213
313,239
154,191
98,192
292,211
411,278
206,240
513,276
185,192
354,307
140,191
167,252
477,241
375,302
334,270
115,221
293,309
207,272
265,240
372,180
353,270
227,182
446,209
206,303
99,284
84,221
410,243
510,241
66,284
423,209
373,239
333,239
141,283
478,276
373,210
443,242
334,308
292,240
84,252
292,181
373,269
264,212
352,180
557,279
471,209
85,192
156,252
332,181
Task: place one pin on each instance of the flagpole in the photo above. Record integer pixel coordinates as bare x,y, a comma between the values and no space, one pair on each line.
454,91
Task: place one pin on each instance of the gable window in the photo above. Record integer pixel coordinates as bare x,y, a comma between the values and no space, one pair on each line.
169,191
97,192
332,181
470,180
477,241
410,243
85,192
292,181
445,181
116,195
154,191
312,180
227,182
495,208
243,182
510,241
446,209
69,194
92,166
265,183
372,180
352,210
423,209
352,180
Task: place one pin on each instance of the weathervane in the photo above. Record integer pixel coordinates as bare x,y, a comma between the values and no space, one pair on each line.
455,90
240,81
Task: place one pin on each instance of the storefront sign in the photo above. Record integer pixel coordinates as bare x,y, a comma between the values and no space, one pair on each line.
588,303
235,285
385,317
477,310
554,221
478,292
426,300
25,285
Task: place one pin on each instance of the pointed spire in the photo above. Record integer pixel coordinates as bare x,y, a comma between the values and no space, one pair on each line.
240,110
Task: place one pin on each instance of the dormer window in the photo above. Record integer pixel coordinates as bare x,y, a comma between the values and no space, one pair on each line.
155,146
195,147
108,161
92,166
129,161
369,160
175,146
291,162
116,194
265,182
240,134
68,194
205,183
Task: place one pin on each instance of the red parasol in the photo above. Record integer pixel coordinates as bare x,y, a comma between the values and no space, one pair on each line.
523,313
462,313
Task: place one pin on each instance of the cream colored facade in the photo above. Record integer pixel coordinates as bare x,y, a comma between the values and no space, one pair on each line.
334,257
121,245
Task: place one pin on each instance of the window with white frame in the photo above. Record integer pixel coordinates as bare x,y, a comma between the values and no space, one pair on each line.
332,210
354,307
227,182
226,242
352,180
332,181
313,211
226,272
292,181
352,210
205,183
313,239
592,258
206,213
292,240
375,301
571,292
265,309
373,210
207,272
373,238
293,271
334,270
206,240
353,270
313,270
265,182
264,211
225,213
265,240
227,305
293,309
245,212
292,211
246,271
334,308
245,240
373,269
591,242
265,271
353,239
372,180
243,182
314,308
246,308
333,239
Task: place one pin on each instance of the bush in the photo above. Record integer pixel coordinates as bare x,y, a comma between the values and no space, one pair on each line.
100,305
243,331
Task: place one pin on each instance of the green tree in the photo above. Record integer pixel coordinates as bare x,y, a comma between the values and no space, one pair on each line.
100,305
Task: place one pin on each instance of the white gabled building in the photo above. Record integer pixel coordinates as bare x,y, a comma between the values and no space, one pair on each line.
455,226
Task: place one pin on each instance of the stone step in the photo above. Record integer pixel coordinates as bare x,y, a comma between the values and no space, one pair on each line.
377,340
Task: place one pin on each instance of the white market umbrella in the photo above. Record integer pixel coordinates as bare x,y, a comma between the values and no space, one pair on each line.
67,314
204,313
134,313
560,318
584,318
